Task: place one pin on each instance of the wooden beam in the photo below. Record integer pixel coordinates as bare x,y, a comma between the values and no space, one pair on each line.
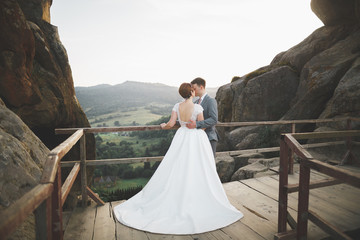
283,181
289,235
65,146
296,147
354,119
56,208
43,220
303,202
219,124
50,169
112,161
316,184
327,227
291,221
329,134
112,129
95,197
343,175
66,187
14,215
83,170
159,158
280,122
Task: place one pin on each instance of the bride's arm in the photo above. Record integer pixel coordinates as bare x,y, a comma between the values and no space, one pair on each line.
171,122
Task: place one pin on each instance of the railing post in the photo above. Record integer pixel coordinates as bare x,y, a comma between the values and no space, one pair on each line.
56,208
291,159
348,153
43,220
283,180
303,202
83,169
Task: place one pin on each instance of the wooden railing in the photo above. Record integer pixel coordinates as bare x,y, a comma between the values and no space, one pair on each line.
46,199
289,143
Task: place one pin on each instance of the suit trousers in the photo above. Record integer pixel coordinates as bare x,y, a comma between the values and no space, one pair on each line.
213,146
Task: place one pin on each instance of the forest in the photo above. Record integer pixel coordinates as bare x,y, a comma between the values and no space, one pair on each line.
139,144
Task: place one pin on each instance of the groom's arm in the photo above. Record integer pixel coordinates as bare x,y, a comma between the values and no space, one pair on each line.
213,116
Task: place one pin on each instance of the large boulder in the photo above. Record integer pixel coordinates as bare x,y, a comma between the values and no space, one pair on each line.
335,12
277,86
22,156
346,97
36,80
225,165
317,78
320,77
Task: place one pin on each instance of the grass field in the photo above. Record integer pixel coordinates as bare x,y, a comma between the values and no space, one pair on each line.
124,184
140,115
139,145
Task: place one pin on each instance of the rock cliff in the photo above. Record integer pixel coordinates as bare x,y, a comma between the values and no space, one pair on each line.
318,78
36,81
36,96
22,156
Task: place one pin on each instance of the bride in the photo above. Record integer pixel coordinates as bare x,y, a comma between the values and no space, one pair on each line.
185,195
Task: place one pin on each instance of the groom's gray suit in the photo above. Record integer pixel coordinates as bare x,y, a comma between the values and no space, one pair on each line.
210,119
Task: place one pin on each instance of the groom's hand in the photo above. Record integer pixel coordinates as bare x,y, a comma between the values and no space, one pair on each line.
191,124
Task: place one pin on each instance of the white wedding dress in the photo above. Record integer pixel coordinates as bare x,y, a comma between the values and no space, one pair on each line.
185,195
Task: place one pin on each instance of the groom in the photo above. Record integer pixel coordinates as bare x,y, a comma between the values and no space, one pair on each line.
210,112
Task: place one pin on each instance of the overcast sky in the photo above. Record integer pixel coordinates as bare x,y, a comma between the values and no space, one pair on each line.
174,41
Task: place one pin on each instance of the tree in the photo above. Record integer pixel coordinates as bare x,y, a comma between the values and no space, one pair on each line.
146,165
116,123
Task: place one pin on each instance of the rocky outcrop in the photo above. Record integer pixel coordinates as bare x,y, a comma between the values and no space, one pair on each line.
22,156
335,12
225,166
318,78
36,81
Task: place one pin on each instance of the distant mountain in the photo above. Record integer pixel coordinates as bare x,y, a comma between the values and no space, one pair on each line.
104,98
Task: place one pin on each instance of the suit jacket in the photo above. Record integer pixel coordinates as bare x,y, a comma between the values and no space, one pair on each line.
210,117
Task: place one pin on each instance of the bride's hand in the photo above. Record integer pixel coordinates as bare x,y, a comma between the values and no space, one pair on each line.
162,125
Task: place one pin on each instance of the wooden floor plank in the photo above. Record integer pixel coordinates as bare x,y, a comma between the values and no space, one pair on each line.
153,236
333,213
124,232
104,224
255,208
239,230
81,223
267,206
255,198
219,235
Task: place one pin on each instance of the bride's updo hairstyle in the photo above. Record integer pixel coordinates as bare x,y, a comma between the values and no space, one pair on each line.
185,90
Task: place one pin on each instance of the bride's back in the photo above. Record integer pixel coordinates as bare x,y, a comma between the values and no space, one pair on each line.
185,110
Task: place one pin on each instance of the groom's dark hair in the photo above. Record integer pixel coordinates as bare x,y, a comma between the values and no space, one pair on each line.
199,81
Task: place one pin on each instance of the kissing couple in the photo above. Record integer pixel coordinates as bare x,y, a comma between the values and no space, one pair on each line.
185,194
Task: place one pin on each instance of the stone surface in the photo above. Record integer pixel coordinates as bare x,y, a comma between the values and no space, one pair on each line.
264,174
242,160
346,97
36,79
320,40
248,171
278,86
322,76
225,167
22,156
335,12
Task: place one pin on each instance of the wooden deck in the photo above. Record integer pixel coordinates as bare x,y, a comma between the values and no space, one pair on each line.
256,198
